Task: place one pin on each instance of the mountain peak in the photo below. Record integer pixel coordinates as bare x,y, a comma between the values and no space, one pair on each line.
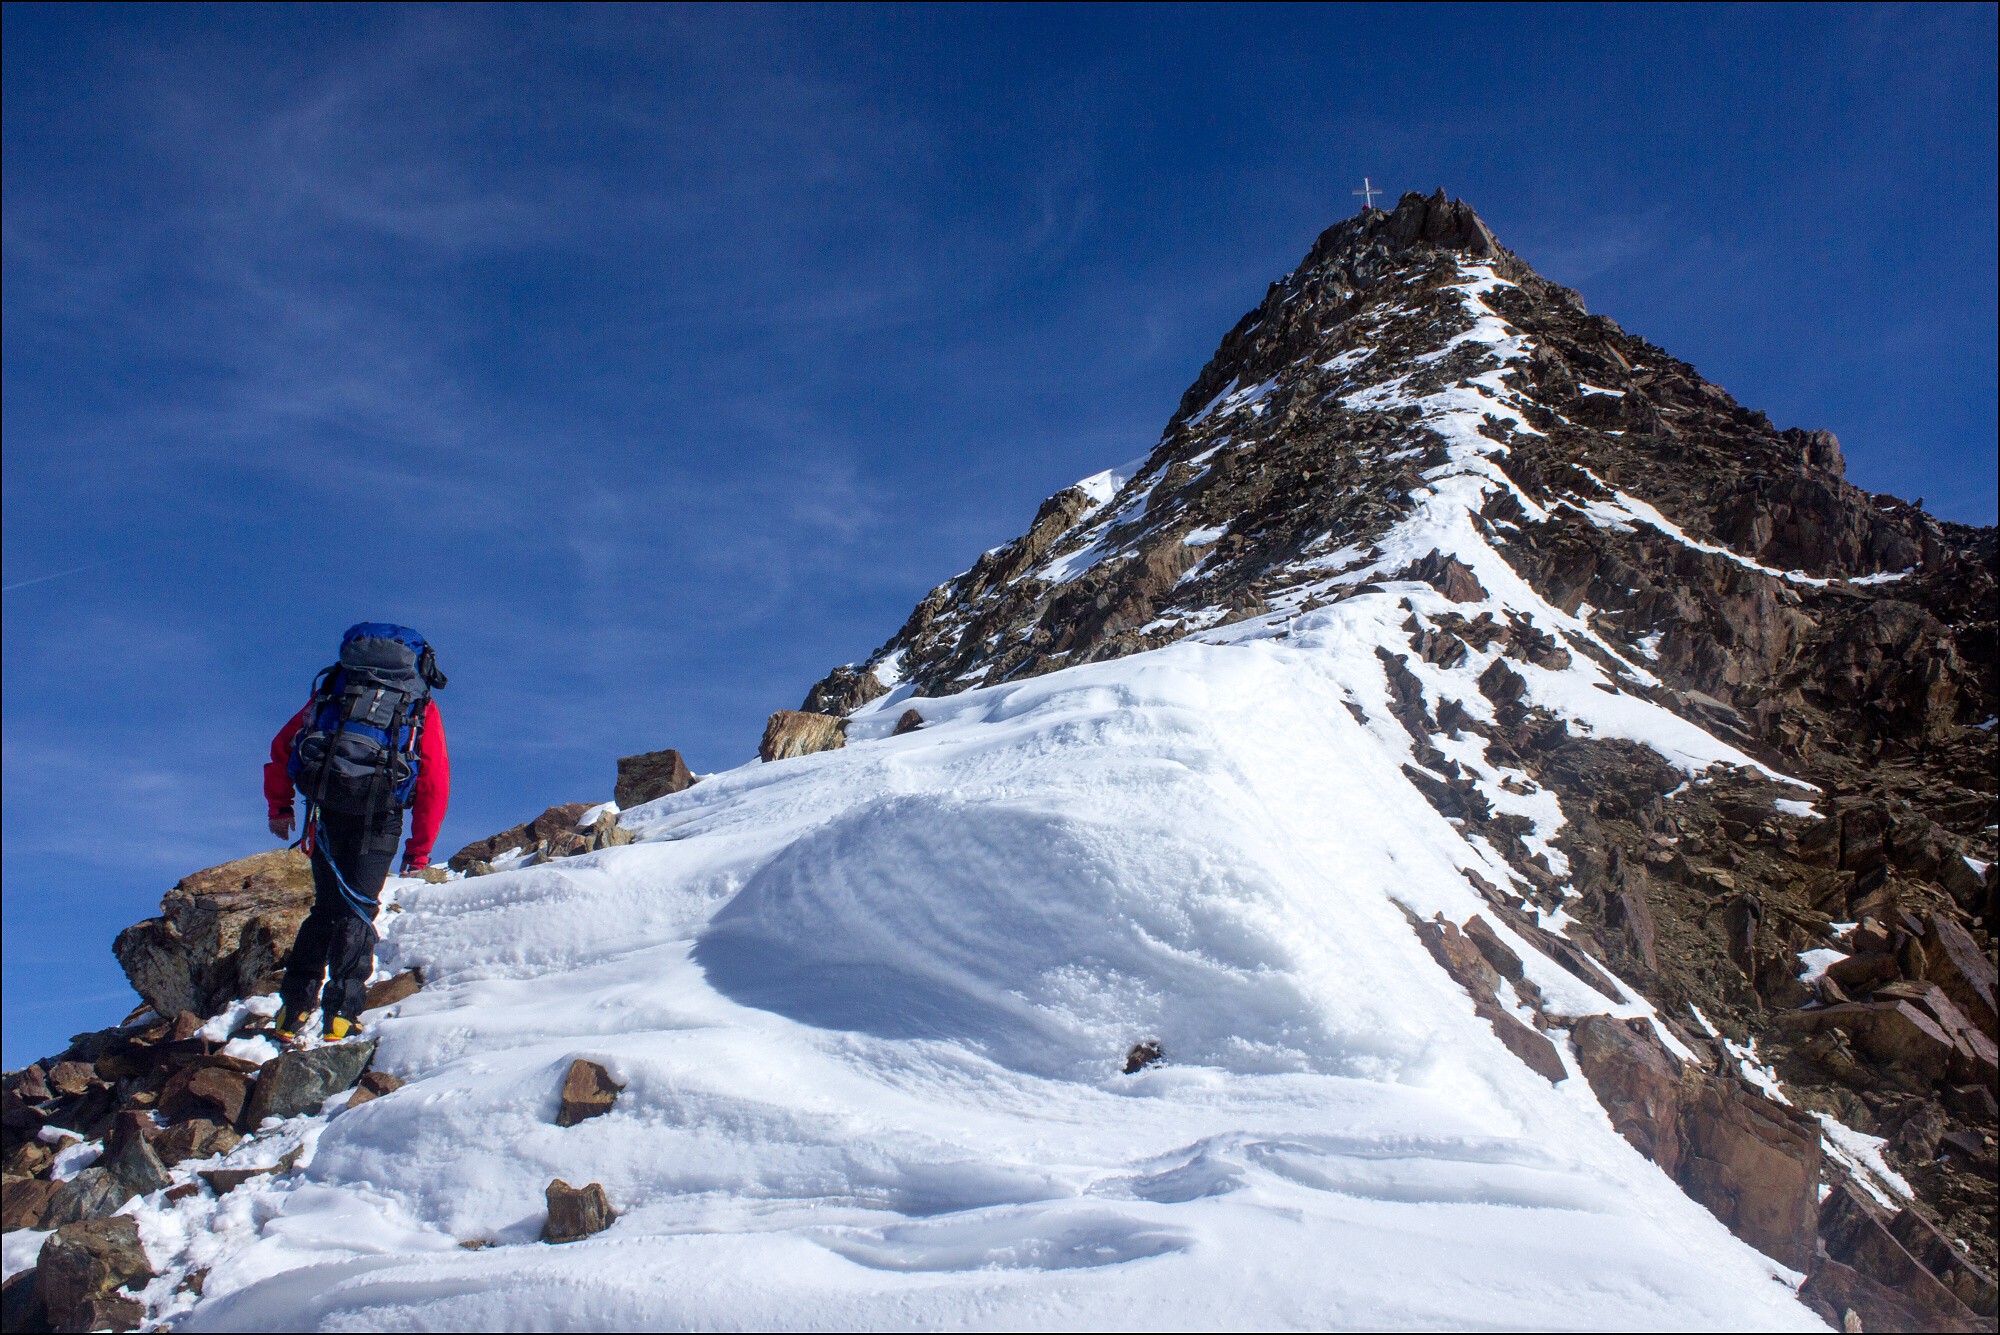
1408,355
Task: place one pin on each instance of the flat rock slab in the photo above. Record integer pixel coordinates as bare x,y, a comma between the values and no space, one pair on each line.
1637,1080
576,1212
222,1181
299,1082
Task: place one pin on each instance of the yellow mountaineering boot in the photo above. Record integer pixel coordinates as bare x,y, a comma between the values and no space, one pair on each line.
285,1028
338,1027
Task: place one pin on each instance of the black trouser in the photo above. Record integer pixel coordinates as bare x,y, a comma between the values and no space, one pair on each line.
336,942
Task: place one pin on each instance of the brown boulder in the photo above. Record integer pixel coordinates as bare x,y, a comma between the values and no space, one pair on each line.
576,1212
392,990
588,1091
221,933
1497,953
30,1158
1637,1080
23,1202
1449,576
794,732
89,1261
215,1089
1855,1233
373,1085
910,721
115,1312
69,1079
530,835
1975,1059
1755,1165
197,1138
654,774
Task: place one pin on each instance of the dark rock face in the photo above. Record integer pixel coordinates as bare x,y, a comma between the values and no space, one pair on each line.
222,933
1756,1165
88,1263
91,1194
576,1212
588,1091
654,774
300,1081
795,732
21,1307
1638,1081
1857,1236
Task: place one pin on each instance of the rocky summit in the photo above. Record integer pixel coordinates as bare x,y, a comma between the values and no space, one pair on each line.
1007,998
1414,404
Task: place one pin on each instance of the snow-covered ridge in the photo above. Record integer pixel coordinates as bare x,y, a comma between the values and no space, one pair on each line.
869,1008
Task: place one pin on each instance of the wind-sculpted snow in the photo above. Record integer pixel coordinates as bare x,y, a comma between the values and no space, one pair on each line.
870,1007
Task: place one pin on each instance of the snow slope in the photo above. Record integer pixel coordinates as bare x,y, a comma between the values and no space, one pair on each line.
870,1008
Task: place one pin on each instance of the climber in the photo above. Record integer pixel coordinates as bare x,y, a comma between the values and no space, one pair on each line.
366,747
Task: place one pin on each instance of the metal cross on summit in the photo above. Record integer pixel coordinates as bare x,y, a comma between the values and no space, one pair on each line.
1368,191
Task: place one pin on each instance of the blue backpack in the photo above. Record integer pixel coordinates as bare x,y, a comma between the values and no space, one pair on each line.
358,753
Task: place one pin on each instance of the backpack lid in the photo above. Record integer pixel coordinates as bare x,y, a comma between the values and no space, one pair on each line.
382,647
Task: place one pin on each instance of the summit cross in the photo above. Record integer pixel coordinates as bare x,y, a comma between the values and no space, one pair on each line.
1368,191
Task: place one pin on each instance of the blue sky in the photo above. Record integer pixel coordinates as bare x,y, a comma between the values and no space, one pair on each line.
653,361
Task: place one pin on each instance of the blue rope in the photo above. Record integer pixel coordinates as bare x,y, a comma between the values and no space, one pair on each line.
363,907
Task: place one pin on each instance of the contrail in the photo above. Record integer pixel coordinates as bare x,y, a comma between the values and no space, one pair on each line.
43,579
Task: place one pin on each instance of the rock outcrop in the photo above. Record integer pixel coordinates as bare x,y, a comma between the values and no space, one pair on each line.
798,732
553,834
654,774
301,1080
222,933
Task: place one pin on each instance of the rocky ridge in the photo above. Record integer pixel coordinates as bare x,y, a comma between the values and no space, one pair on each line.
1415,411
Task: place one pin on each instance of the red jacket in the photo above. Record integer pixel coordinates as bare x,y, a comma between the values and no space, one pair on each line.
432,794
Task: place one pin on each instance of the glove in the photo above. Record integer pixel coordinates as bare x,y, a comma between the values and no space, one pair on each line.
411,866
281,827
